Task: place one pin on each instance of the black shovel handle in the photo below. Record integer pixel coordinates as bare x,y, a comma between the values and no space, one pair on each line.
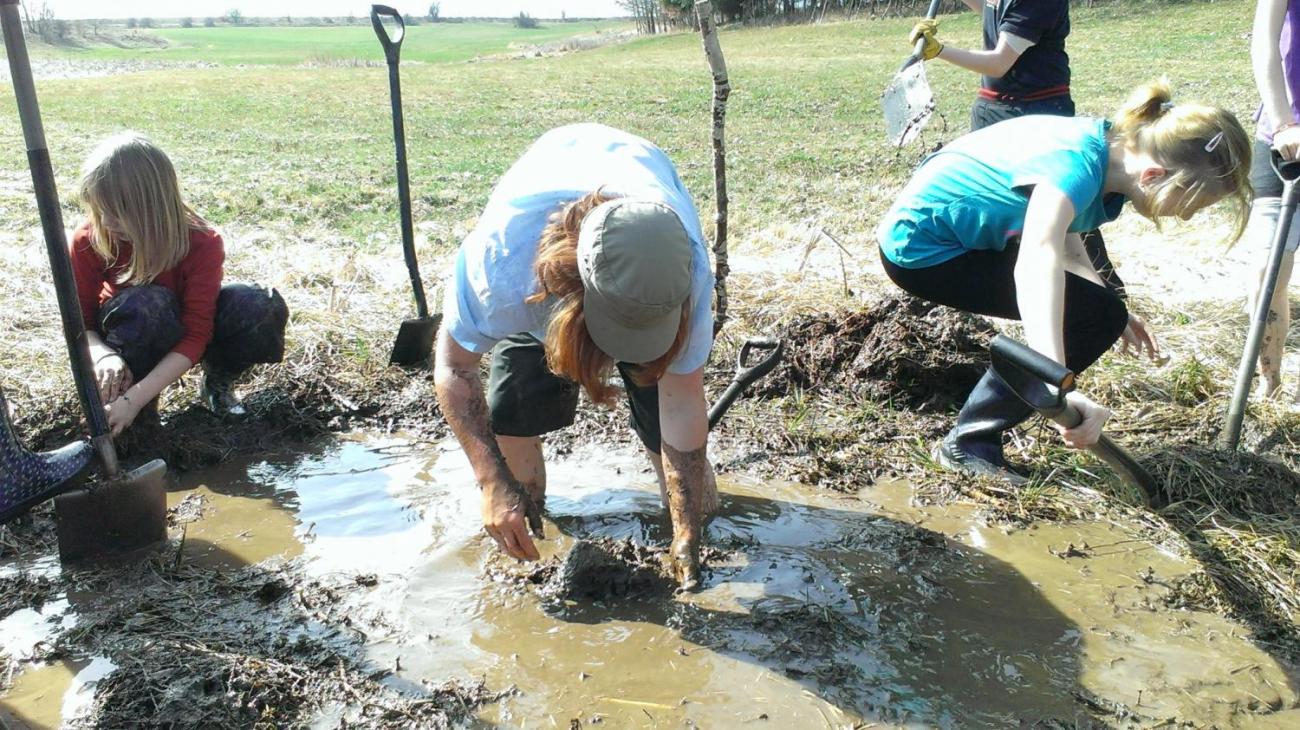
746,373
1043,383
56,242
392,44
392,51
1289,172
932,11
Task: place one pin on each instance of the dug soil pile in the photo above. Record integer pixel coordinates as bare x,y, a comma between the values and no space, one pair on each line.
903,350
603,569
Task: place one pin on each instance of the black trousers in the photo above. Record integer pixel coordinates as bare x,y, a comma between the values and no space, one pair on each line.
983,282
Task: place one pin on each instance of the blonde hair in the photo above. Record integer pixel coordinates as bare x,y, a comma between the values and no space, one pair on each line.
130,179
1203,147
570,351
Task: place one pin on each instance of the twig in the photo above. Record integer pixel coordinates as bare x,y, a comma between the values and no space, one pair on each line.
721,90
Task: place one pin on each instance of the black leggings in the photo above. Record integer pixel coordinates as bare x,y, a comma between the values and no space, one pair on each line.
983,282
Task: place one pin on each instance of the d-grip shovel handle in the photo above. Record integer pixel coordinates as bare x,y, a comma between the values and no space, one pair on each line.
747,374
392,45
1042,383
1287,170
1030,373
920,44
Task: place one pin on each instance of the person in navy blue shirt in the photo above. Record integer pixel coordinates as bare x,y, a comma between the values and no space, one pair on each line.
1024,70
991,224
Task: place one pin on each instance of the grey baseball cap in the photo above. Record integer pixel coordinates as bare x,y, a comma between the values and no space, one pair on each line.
635,260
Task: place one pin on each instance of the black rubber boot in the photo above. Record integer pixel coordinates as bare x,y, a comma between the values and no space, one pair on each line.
217,391
974,445
27,478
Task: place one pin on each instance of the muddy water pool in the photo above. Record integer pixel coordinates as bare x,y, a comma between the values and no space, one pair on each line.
819,610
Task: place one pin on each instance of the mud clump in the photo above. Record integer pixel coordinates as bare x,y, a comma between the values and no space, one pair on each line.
24,590
259,646
903,350
600,570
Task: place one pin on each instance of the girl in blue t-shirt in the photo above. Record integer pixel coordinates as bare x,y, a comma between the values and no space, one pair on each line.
990,225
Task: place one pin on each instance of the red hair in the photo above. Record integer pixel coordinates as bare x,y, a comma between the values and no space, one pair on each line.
570,351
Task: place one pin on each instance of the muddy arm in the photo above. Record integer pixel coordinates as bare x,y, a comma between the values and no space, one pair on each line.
688,476
459,389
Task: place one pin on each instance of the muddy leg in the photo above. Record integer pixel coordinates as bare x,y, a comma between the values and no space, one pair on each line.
709,502
1275,330
687,474
528,466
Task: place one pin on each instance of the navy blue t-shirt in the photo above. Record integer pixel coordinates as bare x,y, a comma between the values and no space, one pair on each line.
1043,66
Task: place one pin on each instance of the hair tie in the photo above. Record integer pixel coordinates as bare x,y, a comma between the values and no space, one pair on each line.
1213,144
1166,106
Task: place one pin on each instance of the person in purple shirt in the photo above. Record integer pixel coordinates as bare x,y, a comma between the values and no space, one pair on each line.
1275,54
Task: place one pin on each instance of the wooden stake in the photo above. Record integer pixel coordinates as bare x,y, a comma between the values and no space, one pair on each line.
721,90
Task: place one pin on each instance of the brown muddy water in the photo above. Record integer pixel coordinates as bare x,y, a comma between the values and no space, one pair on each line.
818,610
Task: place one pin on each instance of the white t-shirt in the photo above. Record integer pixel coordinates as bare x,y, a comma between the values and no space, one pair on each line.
493,272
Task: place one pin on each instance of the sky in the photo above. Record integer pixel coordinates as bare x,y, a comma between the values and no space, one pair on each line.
74,9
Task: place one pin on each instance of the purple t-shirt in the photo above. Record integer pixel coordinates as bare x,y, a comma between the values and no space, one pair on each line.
1289,47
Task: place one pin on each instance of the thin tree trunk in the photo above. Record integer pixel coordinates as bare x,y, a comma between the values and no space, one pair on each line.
721,90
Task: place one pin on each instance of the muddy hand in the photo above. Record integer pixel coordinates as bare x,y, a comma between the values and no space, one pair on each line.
685,557
534,515
506,515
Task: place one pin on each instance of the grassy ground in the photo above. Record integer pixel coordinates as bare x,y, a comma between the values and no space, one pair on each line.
228,45
296,164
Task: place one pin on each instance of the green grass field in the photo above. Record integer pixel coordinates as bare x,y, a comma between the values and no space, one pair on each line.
426,42
311,147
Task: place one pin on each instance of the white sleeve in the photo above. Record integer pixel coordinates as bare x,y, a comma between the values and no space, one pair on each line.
1018,44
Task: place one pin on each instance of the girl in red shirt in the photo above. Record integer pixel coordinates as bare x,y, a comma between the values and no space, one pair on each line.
148,271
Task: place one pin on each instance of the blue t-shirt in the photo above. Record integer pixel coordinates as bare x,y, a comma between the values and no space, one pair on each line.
973,194
493,274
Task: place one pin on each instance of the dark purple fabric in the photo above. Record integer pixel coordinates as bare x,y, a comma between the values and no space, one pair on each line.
143,323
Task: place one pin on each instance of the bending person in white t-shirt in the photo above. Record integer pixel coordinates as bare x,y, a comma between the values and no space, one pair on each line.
588,260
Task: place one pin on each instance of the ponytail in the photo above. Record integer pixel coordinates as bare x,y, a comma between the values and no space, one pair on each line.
1204,148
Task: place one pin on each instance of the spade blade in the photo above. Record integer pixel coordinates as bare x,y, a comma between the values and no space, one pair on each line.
908,104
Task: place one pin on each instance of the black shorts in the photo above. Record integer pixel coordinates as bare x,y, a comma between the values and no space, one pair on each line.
526,399
1263,177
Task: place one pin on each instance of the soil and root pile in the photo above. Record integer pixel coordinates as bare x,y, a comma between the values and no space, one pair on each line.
902,350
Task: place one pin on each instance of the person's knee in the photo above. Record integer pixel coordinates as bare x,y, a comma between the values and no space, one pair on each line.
248,327
142,323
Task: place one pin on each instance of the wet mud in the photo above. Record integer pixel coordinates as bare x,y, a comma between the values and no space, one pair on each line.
350,584
901,350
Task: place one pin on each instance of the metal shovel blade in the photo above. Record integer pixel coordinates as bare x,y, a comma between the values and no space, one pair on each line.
908,104
114,519
414,344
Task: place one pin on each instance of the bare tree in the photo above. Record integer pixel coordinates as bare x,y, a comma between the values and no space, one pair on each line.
648,14
38,16
435,10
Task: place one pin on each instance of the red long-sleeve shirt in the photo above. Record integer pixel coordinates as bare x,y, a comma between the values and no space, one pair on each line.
196,281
